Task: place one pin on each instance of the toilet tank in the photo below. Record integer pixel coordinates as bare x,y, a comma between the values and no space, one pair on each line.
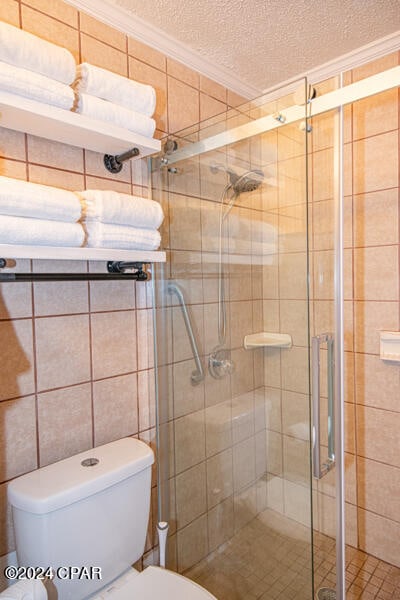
89,510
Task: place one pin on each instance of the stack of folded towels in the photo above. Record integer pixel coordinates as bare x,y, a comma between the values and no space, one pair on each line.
35,214
109,97
34,68
114,220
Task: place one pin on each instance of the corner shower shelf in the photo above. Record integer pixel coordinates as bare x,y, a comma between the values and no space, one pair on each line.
65,253
263,339
52,123
390,346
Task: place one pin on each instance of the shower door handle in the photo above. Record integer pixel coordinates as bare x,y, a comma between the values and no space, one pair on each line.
319,470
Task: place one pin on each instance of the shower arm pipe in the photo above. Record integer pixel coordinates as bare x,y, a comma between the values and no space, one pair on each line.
346,95
198,375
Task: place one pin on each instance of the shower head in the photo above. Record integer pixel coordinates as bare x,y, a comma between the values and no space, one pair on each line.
247,182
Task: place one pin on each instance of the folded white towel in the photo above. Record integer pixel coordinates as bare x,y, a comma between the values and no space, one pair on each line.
97,108
107,85
25,50
104,235
32,589
20,230
35,86
108,206
24,199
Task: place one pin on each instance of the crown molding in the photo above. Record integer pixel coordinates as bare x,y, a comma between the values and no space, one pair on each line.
145,32
346,62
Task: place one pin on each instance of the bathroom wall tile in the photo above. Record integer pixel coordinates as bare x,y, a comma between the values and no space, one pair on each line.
12,144
377,434
212,88
145,339
220,523
7,541
379,536
146,399
9,12
115,408
375,163
370,319
54,154
55,177
295,370
376,273
183,73
16,356
272,367
192,543
376,218
378,487
291,181
13,168
293,276
190,435
110,295
62,351
244,464
234,99
65,423
188,397
375,66
293,228
377,383
58,298
242,377
191,499
143,73
102,32
375,114
293,315
218,420
209,107
58,9
50,29
102,55
113,343
18,453
241,315
146,54
184,223
219,477
181,95
16,301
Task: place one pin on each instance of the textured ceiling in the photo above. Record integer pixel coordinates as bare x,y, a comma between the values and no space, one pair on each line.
265,42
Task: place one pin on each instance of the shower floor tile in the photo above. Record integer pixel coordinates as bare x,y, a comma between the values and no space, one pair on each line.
270,559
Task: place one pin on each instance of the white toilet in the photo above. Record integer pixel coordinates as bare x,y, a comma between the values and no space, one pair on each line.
92,510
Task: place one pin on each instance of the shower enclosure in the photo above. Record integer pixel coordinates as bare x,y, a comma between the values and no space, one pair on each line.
250,311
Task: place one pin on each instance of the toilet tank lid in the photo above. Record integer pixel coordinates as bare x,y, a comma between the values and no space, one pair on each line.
67,481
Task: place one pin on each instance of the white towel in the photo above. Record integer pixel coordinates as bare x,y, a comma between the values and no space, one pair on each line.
104,235
103,110
25,50
108,206
32,589
35,86
31,232
25,199
115,88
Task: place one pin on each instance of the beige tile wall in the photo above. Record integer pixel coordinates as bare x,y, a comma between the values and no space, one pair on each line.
77,366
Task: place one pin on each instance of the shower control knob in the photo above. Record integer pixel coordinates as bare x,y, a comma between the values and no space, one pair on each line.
220,363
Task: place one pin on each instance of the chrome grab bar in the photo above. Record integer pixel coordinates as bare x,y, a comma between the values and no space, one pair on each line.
319,470
197,375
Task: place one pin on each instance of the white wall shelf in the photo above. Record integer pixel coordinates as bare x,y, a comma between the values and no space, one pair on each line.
65,253
390,346
52,123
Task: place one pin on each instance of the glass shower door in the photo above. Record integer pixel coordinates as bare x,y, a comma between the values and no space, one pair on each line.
233,353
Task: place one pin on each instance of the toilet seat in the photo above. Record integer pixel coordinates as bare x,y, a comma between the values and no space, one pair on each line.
154,583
